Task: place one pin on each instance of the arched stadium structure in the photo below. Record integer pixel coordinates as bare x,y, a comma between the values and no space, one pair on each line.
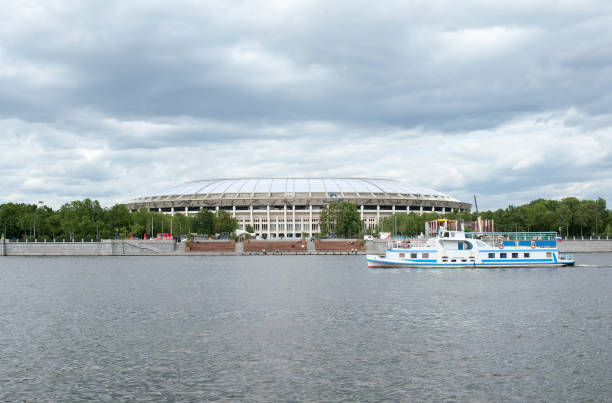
288,207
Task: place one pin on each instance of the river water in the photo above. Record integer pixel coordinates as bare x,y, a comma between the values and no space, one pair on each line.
315,328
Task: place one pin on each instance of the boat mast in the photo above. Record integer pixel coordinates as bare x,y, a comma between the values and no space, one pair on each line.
479,219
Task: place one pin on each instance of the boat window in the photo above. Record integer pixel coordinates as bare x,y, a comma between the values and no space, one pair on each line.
444,260
514,255
467,245
402,255
425,255
503,255
413,255
464,260
491,255
548,254
526,254
453,260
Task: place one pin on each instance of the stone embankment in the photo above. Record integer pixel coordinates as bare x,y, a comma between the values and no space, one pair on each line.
590,245
105,247
298,247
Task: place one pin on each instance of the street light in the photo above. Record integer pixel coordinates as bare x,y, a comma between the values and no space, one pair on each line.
40,202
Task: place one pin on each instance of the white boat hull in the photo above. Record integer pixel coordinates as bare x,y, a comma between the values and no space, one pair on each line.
378,262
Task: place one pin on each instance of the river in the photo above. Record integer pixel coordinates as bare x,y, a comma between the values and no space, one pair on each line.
316,328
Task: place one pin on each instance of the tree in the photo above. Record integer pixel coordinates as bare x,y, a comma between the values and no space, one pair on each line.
204,222
224,223
328,219
349,220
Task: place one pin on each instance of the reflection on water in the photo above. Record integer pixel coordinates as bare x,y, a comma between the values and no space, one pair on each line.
301,328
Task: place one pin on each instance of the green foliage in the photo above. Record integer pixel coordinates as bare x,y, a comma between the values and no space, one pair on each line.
328,219
342,219
87,219
204,222
574,217
224,223
349,222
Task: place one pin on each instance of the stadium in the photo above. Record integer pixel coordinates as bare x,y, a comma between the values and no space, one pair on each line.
288,207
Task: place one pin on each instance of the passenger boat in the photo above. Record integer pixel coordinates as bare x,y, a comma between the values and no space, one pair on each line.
459,249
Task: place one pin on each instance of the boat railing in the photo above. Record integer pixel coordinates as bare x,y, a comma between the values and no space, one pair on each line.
514,236
406,243
565,256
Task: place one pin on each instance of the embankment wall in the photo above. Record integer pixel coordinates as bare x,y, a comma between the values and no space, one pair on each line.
591,245
105,247
155,247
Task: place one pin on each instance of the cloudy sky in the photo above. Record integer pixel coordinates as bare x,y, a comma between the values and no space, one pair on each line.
510,100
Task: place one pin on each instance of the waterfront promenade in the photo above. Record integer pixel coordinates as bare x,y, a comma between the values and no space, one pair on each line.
108,247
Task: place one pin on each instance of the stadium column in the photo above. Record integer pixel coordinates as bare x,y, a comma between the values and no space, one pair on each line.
251,216
293,218
310,220
377,214
268,218
234,211
364,225
285,219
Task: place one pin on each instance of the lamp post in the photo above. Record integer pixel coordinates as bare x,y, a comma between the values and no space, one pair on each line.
40,203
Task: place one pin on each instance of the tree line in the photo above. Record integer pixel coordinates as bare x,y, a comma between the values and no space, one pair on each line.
87,219
569,217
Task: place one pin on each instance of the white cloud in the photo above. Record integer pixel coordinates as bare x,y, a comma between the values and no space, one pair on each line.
113,100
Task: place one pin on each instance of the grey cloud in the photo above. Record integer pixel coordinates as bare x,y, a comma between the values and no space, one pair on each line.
273,87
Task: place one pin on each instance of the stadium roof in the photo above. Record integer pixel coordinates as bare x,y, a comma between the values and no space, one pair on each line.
300,185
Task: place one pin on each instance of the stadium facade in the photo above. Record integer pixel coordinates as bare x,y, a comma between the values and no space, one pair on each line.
288,207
